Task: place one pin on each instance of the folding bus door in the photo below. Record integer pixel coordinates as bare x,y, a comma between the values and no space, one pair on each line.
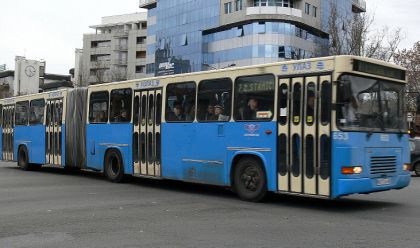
303,136
147,132
53,140
8,131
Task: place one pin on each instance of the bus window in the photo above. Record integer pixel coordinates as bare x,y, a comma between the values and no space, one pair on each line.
283,111
1,115
282,146
325,103
98,109
143,110
22,113
309,156
310,103
296,155
158,109
297,91
180,102
254,98
36,112
214,100
121,105
136,110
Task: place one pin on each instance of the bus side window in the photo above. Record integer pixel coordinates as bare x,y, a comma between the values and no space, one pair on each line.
1,115
98,107
36,112
121,105
254,98
180,102
283,110
22,109
214,100
325,103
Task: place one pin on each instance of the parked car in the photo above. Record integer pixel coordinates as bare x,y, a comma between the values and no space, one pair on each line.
415,155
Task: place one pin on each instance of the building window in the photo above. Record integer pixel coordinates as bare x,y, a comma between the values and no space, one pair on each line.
307,8
140,54
228,8
143,25
278,3
260,27
184,40
141,40
282,52
238,5
240,31
140,69
314,10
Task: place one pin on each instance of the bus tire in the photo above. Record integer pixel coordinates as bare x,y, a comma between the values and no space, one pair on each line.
23,159
249,180
114,166
416,169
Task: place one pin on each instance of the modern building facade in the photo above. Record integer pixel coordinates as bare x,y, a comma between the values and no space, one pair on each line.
187,36
116,51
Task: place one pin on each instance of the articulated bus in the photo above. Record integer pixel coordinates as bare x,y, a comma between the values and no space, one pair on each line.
326,127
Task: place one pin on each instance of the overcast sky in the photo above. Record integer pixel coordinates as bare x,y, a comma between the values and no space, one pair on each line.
52,29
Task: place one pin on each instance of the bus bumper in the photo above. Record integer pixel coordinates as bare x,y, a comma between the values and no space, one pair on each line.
369,185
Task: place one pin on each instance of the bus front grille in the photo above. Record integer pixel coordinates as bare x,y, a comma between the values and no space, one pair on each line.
383,165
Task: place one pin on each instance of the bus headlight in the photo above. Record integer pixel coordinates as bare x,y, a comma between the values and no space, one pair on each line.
407,167
351,170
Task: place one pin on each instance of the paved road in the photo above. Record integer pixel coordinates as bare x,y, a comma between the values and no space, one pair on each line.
52,209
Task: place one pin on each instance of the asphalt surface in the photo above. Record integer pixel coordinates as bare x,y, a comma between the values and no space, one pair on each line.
51,208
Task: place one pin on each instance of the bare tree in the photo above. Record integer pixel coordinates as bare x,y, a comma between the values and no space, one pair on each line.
410,59
353,35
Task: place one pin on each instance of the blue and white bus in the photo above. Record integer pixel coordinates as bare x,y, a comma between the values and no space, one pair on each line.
325,127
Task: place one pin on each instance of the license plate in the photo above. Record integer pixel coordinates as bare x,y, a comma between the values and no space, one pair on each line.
383,181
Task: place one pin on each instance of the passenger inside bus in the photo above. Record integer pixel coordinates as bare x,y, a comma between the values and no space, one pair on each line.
250,111
219,114
209,113
177,113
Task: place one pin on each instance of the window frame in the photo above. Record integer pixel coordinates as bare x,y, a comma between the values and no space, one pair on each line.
43,116
231,100
91,106
130,110
235,92
166,101
27,114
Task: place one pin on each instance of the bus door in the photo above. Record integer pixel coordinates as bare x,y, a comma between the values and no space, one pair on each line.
147,132
8,131
303,139
53,130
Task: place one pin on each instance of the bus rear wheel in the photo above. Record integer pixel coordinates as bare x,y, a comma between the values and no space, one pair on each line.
23,159
114,167
249,180
416,169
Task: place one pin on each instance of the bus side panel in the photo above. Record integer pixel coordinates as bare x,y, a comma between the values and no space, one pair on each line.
33,137
101,137
261,138
203,152
382,157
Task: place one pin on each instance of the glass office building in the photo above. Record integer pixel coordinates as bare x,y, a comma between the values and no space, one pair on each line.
195,35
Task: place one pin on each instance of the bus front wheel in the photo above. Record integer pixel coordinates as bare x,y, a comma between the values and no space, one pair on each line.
114,166
249,180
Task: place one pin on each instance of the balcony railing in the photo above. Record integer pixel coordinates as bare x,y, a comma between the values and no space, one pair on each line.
359,6
273,10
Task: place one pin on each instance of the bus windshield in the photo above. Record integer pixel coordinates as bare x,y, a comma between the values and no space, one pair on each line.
368,104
